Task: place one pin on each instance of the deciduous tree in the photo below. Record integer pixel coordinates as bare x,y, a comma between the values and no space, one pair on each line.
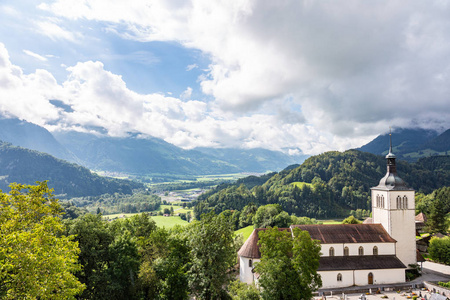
36,260
288,266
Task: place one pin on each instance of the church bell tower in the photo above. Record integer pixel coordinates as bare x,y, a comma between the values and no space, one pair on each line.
393,206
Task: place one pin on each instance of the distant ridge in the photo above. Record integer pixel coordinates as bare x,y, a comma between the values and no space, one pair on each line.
26,166
411,144
28,135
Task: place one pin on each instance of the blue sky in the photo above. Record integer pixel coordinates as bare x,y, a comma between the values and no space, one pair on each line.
297,76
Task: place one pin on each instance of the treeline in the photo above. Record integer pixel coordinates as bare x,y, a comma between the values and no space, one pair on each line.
325,186
46,257
67,179
141,201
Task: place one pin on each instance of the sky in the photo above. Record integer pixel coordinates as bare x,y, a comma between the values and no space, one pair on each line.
297,76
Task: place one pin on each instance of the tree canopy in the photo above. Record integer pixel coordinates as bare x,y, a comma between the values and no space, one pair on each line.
36,260
289,263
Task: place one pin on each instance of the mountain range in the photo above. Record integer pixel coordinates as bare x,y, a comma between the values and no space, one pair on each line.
140,156
411,144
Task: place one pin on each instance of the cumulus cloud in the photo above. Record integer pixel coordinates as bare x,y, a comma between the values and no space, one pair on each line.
352,67
100,99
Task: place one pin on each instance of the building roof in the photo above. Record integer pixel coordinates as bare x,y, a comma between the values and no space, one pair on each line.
391,181
250,248
363,262
347,233
368,221
421,217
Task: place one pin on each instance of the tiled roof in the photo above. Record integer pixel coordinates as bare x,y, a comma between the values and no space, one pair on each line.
363,262
347,233
250,248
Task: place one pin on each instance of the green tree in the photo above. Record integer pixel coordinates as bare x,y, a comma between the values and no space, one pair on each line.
439,249
437,216
351,220
241,291
36,260
288,266
212,255
271,215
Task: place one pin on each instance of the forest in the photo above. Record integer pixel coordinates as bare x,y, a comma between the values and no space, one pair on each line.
325,186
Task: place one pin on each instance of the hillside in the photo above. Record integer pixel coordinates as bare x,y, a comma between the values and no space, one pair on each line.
31,136
254,160
69,180
411,144
327,185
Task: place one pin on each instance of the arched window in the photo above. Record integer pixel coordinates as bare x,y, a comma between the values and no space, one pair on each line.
378,200
382,201
339,277
346,251
399,202
250,263
361,250
375,250
405,202
331,251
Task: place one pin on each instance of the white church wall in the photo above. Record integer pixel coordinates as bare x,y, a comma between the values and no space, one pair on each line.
245,271
330,280
404,228
383,248
380,276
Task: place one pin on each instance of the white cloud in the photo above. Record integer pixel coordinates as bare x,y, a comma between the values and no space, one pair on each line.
353,68
191,67
186,94
35,55
55,32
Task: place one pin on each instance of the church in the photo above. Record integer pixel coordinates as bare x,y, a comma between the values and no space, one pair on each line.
376,252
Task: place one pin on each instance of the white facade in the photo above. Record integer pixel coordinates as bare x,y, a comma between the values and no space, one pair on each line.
245,269
397,216
345,278
354,249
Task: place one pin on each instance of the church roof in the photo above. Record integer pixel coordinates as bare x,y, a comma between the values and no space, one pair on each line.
391,181
250,248
347,233
363,262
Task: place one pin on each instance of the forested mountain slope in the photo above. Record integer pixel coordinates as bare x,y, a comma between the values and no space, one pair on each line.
411,144
28,166
328,185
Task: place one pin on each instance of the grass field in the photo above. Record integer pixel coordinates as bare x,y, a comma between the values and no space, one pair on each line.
168,222
246,231
301,184
331,221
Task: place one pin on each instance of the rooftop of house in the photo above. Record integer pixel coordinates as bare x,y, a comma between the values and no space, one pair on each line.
366,262
326,234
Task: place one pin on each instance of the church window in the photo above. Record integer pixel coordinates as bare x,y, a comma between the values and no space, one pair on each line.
399,202
346,251
331,251
361,250
405,202
250,263
382,201
375,250
378,201
339,277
